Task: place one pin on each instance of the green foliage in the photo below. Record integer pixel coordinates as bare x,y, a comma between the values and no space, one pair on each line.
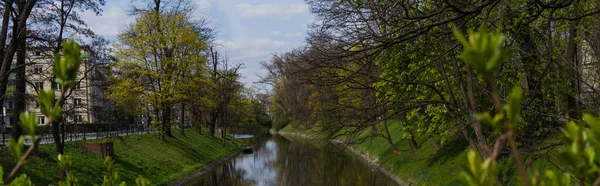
66,67
145,156
22,180
477,172
579,155
280,123
484,51
48,108
28,124
141,181
581,143
16,148
112,177
513,107
264,121
65,164
149,79
10,91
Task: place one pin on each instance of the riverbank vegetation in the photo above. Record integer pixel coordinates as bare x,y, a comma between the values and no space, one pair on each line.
391,73
424,167
161,162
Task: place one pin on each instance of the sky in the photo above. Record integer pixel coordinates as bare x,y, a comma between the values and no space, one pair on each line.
248,31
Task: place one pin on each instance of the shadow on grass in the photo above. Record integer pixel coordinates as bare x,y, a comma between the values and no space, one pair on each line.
190,153
449,151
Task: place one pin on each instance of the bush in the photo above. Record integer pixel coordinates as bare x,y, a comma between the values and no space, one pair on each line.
264,120
281,122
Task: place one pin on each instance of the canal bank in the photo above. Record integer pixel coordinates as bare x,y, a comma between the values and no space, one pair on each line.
364,157
204,170
425,166
161,162
290,160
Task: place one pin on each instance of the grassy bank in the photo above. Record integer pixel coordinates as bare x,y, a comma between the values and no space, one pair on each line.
427,166
423,167
144,155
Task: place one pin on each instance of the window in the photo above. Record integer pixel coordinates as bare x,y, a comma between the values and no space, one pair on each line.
11,120
37,53
37,103
77,85
56,86
37,69
39,85
78,119
11,105
77,102
41,120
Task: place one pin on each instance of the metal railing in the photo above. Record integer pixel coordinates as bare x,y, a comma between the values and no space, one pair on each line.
77,134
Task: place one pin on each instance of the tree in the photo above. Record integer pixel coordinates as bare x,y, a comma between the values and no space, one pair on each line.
368,62
53,21
13,32
155,57
226,87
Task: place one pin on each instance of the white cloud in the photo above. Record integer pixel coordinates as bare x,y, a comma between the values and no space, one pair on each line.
203,5
256,44
250,52
113,20
246,10
287,34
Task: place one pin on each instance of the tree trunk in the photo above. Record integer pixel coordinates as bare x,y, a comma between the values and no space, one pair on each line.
412,142
167,120
56,135
485,150
182,119
212,124
388,137
223,124
199,120
572,99
159,126
468,110
434,143
20,84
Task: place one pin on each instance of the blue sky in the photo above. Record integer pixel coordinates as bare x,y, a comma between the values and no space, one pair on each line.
249,31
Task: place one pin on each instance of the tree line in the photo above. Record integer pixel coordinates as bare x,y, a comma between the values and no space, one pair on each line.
369,62
164,65
168,67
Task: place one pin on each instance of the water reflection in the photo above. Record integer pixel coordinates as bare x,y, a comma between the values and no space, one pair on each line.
281,161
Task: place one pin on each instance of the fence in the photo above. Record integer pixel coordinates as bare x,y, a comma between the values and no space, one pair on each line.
75,132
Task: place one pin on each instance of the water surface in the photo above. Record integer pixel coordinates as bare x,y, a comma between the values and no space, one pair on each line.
291,161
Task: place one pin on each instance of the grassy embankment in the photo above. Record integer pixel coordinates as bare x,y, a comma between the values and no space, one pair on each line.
144,155
425,166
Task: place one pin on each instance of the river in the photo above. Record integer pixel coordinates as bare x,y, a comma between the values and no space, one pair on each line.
291,161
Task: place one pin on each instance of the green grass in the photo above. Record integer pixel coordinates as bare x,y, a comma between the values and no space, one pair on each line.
423,167
426,166
144,155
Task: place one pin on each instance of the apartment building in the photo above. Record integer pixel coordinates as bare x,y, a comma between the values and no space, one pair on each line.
86,103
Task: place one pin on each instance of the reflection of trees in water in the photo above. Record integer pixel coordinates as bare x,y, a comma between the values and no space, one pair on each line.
279,161
301,163
226,174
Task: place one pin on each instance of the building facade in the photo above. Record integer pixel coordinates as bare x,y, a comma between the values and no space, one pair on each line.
86,103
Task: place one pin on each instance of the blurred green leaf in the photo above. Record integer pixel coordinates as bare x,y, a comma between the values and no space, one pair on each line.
16,147
513,107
